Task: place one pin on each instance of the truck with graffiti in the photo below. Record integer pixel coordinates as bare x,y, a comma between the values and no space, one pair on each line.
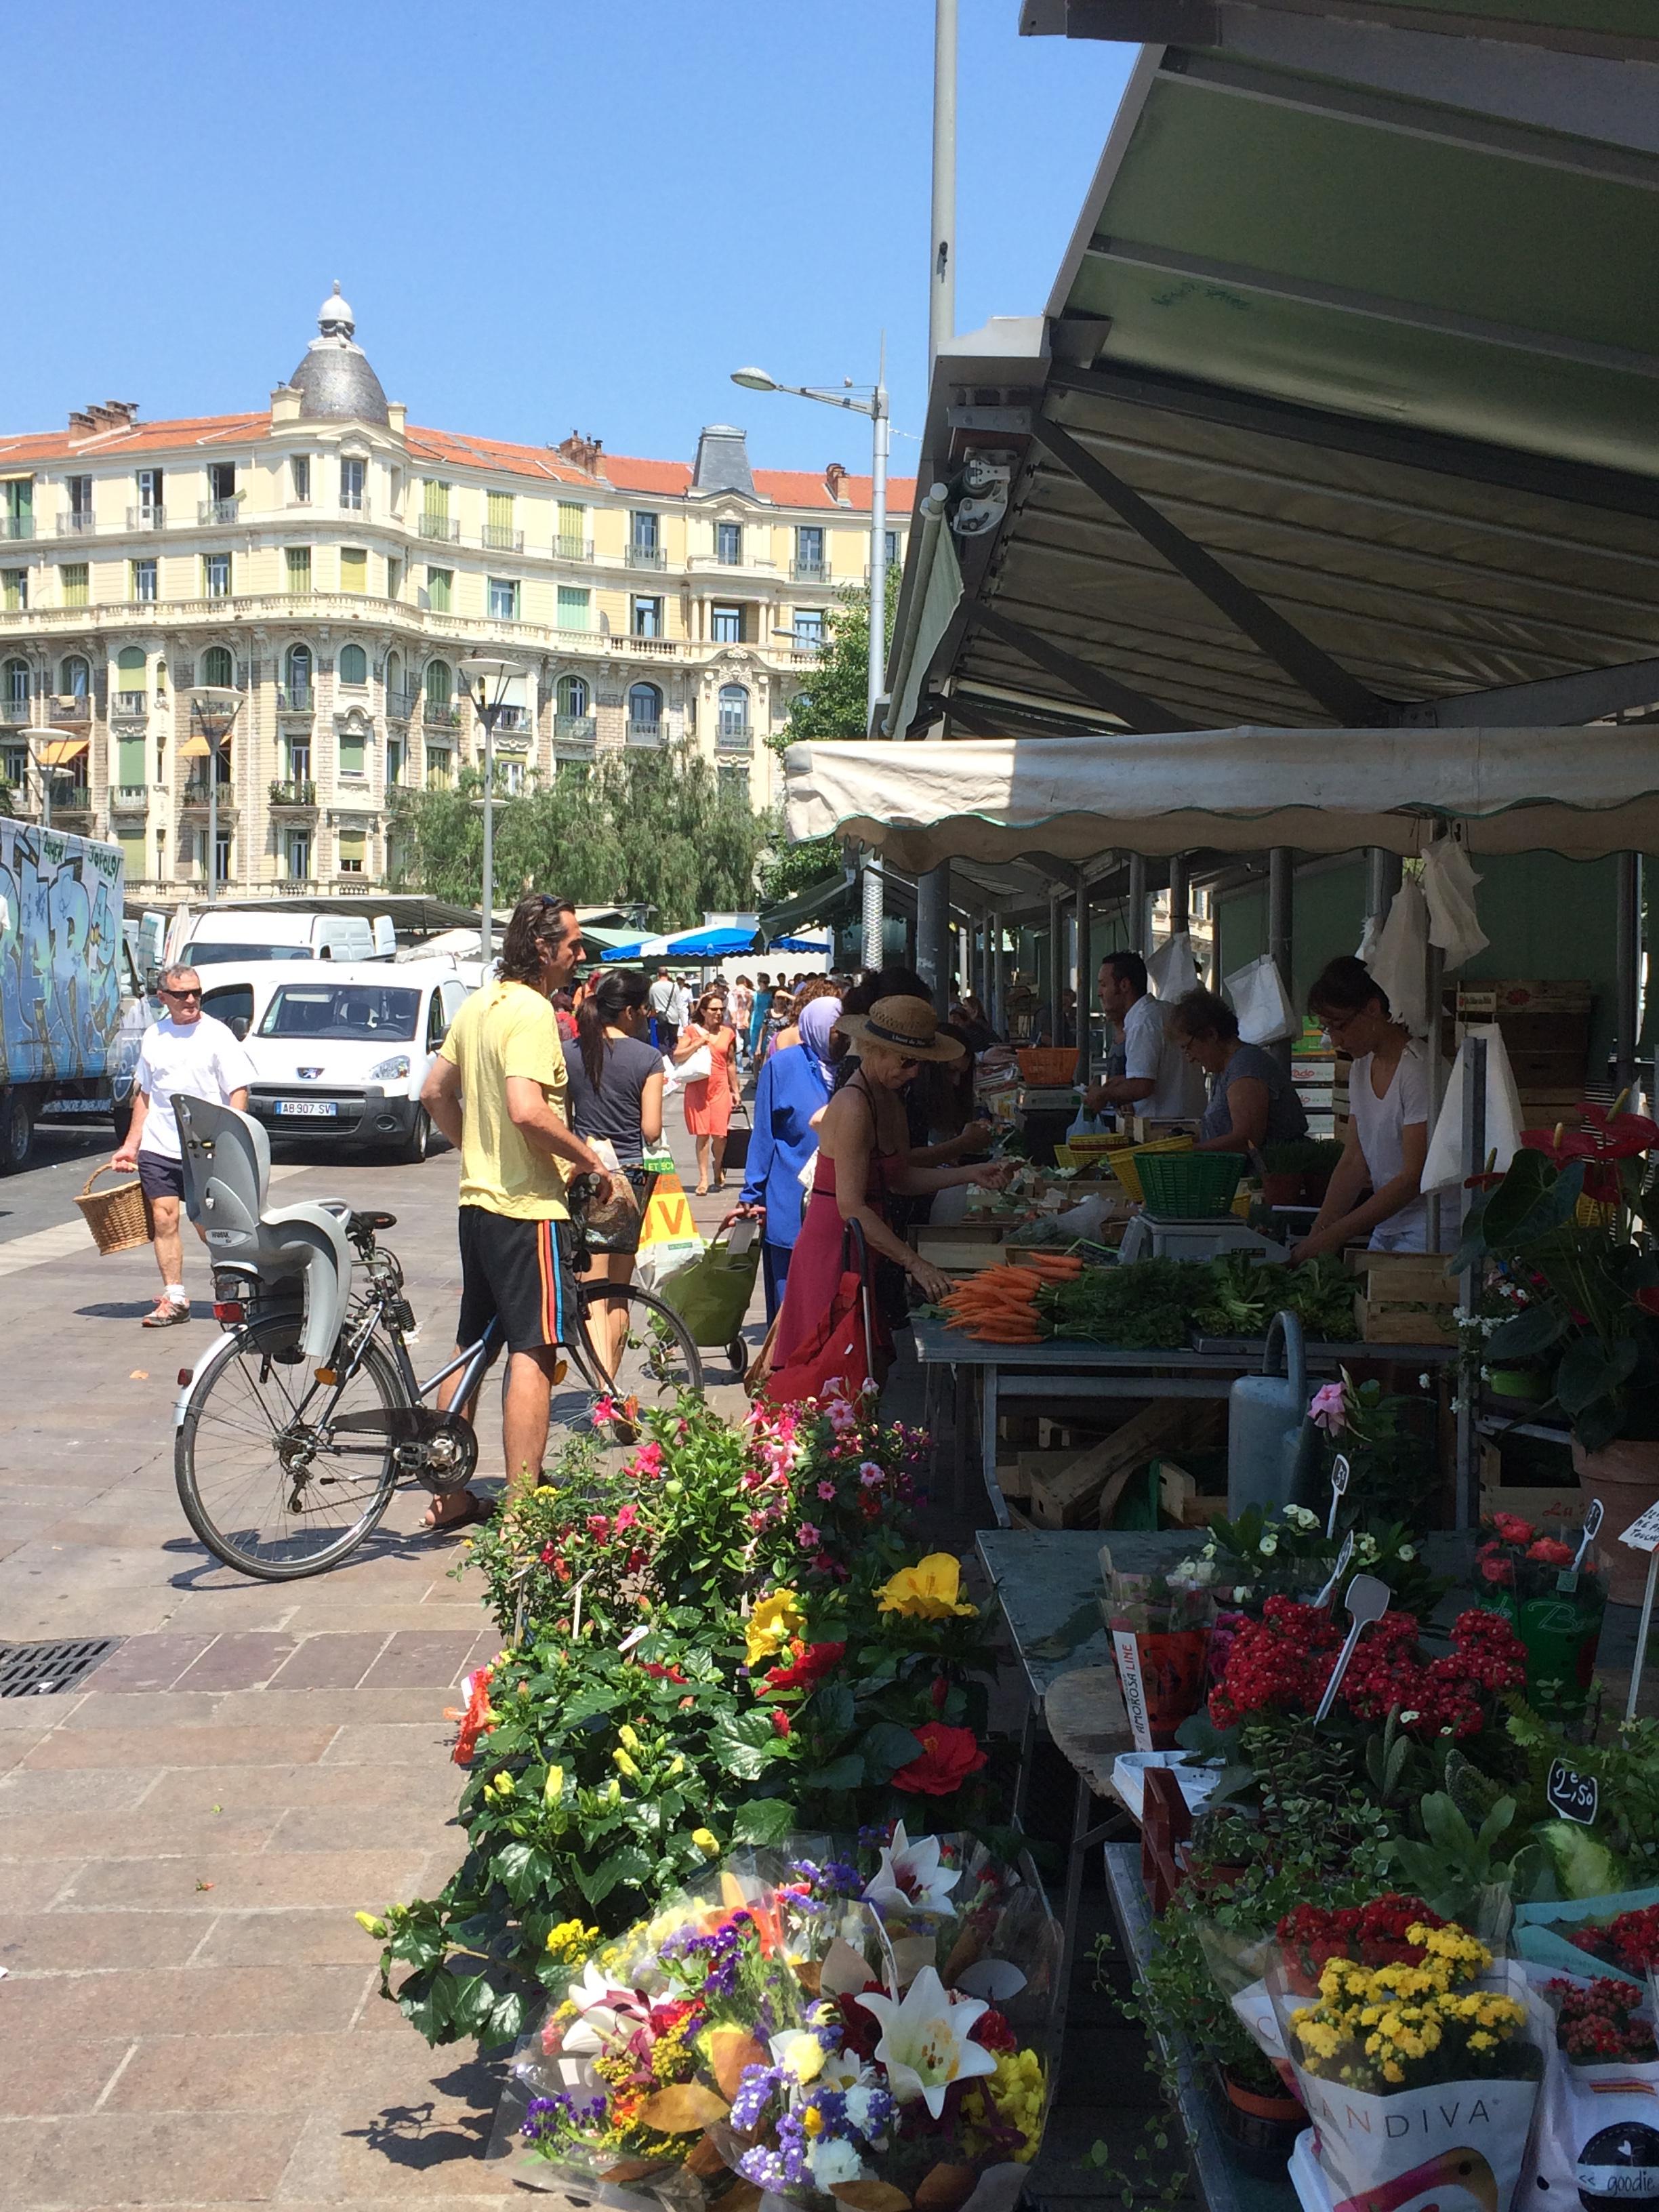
72,1011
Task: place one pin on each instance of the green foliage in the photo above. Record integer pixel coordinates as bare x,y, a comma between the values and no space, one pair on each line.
651,826
790,868
836,700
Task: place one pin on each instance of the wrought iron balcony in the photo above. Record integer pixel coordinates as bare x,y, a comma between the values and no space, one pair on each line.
646,557
573,549
129,797
132,703
14,710
501,537
511,721
218,510
16,525
645,734
295,792
575,730
399,703
735,737
355,502
296,699
76,525
440,527
70,707
146,518
809,571
440,714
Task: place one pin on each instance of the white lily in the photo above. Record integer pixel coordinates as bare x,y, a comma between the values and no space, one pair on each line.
602,2005
910,1878
924,2040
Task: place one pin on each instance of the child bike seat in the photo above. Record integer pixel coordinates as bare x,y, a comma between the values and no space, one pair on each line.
227,1167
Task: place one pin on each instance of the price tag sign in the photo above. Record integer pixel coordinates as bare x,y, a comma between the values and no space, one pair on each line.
1575,1797
1128,1653
1643,1534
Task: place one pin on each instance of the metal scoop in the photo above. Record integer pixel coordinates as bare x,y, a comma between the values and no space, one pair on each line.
1367,1601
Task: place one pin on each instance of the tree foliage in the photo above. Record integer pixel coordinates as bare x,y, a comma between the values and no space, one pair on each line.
836,702
654,827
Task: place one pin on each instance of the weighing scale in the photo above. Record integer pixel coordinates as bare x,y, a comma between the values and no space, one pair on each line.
1204,1237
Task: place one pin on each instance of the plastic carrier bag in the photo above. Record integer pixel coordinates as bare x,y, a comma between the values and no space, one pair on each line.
1265,1015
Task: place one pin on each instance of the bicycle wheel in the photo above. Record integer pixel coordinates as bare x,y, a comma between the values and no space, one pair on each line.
267,1491
655,1360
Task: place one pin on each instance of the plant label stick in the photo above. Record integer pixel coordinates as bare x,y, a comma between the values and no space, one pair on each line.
1339,1485
1567,1580
1367,1601
1127,1652
1338,1570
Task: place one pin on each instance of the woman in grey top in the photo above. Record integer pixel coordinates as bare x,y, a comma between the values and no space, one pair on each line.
1252,1101
615,1084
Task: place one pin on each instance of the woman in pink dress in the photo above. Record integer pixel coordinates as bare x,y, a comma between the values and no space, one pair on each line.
864,1157
708,1101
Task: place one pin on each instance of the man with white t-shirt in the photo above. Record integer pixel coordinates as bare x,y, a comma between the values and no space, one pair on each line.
185,1051
1158,1079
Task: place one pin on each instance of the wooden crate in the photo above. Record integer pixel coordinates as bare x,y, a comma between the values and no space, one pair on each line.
1566,1503
961,1248
1384,1323
1405,1277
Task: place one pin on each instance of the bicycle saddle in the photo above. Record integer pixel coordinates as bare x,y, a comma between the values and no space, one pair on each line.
358,1224
226,1169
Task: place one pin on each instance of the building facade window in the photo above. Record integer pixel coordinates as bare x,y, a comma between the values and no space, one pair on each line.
131,681
726,625
151,489
892,544
80,500
645,711
74,677
299,480
353,474
503,598
299,856
17,507
142,579
646,619
809,550
15,690
809,626
644,541
439,687
14,590
353,753
440,588
575,607
215,576
572,532
353,846
298,755
73,580
394,576
728,543
499,531
573,697
354,666
354,569
296,676
299,568
218,669
734,711
733,786
438,768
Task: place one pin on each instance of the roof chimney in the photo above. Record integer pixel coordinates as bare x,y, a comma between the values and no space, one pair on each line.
114,415
834,477
81,422
586,453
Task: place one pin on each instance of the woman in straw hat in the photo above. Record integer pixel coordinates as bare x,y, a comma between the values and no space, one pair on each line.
865,1156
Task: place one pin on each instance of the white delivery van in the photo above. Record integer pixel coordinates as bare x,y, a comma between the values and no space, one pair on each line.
219,933
340,1052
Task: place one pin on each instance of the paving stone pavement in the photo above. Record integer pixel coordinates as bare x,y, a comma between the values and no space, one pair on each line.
190,2015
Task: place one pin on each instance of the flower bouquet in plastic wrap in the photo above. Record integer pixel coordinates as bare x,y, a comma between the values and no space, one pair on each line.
1598,2122
1417,2049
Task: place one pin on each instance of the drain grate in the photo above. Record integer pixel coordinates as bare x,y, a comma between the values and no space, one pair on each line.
39,1670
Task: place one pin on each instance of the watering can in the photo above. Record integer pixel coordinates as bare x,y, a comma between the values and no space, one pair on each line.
1271,1443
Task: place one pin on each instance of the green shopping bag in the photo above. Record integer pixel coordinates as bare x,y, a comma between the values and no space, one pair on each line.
711,1293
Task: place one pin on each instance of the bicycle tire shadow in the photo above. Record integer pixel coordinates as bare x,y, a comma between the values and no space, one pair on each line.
419,2136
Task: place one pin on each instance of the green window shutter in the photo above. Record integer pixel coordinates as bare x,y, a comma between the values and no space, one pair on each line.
131,843
437,590
354,568
130,762
299,568
434,500
574,604
74,583
351,754
500,510
353,844
573,524
129,662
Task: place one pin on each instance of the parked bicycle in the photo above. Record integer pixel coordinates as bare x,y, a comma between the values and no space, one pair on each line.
286,1461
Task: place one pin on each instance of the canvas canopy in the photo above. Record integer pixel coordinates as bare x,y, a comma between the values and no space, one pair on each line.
1582,793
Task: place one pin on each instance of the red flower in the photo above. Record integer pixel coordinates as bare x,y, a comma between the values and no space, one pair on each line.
949,1756
780,1721
809,1666
661,1673
993,2030
1551,1552
939,1691
475,1721
1512,1529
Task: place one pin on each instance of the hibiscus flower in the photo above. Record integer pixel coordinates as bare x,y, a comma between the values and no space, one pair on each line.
949,1756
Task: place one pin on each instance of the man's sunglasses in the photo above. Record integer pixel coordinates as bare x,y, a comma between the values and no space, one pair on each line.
169,994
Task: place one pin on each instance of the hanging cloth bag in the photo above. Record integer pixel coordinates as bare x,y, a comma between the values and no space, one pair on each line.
841,1350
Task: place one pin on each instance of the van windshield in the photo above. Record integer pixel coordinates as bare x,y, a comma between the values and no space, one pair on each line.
342,1010
202,955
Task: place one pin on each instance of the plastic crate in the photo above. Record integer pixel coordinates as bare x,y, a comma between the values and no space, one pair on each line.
1123,1162
1189,1185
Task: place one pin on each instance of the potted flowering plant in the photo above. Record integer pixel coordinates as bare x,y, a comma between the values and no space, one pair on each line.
1165,1621
1386,1438
1556,1609
1563,1220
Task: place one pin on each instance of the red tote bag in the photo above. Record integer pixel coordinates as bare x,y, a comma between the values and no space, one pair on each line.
841,1349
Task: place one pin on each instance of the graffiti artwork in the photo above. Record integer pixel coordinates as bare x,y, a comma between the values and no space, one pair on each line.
60,954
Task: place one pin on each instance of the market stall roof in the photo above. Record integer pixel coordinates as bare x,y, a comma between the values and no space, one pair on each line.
719,943
1344,411
1582,793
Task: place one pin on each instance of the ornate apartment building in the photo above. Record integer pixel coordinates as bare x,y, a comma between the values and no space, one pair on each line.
333,562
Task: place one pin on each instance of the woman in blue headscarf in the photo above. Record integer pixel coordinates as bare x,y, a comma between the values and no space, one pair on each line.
793,1091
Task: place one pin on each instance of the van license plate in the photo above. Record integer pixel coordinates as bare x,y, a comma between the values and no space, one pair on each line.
311,1109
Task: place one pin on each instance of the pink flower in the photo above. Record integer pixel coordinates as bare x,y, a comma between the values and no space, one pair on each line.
627,1516
646,1460
605,1409
599,1527
808,1537
870,1475
1328,1410
826,1491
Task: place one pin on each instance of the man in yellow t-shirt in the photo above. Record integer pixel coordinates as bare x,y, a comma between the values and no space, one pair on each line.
497,1090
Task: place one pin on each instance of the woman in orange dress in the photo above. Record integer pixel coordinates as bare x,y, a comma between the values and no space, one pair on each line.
709,1103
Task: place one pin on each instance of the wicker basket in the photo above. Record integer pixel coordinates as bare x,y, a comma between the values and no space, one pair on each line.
1187,1186
1047,1067
1123,1162
117,1217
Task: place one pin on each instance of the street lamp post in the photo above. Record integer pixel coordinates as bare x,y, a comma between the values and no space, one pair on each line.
481,672
34,742
873,402
213,708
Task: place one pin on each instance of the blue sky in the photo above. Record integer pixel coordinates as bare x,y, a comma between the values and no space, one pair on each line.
570,215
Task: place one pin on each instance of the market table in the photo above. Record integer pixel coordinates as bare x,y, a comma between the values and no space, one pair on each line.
1033,1371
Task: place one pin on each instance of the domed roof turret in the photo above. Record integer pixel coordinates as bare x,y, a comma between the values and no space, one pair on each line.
334,380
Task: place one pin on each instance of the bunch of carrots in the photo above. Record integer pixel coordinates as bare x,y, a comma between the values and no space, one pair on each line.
998,1305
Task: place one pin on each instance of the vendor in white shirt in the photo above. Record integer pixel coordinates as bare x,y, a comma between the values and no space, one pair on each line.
1156,1080
1388,1140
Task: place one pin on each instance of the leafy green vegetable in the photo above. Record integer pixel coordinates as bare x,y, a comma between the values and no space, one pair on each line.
1147,1306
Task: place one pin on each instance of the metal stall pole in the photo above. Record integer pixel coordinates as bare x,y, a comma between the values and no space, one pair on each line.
1056,981
1435,970
998,995
1180,918
933,933
1281,928
1382,879
1085,982
1473,1152
1627,954
1138,930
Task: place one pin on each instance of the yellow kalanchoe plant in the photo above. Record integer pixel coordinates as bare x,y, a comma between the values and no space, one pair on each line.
1411,2023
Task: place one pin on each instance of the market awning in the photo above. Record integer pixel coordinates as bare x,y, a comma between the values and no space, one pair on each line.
1345,409
196,746
819,902
58,752
1580,792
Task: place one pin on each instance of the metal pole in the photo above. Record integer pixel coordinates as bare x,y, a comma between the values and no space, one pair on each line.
1473,1153
1138,903
995,1009
1181,919
1080,1067
933,945
213,819
872,909
1056,981
1436,970
486,924
1626,970
1383,875
942,259
873,933
44,773
1281,929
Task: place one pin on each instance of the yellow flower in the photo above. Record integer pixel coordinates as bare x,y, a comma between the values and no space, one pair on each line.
707,1842
626,1735
570,1940
802,2055
812,2120
931,1590
774,1619
553,1787
622,1759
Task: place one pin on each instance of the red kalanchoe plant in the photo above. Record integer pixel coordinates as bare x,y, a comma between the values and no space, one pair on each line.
1374,1933
949,1756
1282,1663
1631,1940
1597,2026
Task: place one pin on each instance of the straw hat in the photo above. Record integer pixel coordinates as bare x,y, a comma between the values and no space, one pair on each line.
908,1027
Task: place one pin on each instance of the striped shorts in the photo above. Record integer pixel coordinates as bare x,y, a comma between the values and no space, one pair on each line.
516,1273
